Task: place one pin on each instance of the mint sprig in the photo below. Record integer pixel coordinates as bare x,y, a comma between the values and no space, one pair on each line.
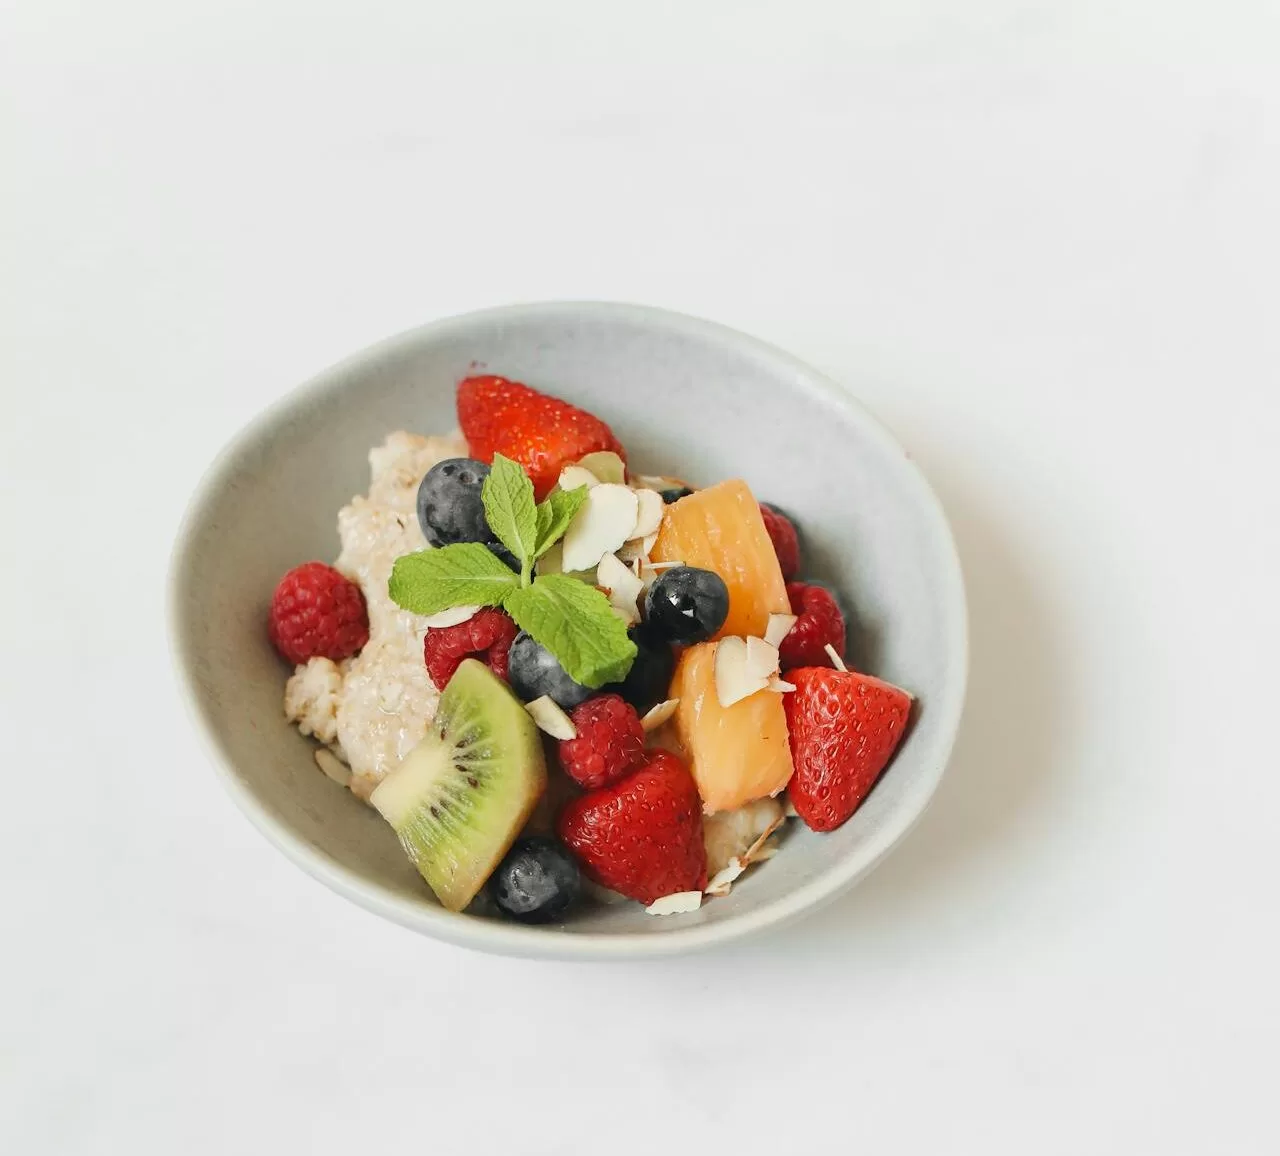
510,511
570,618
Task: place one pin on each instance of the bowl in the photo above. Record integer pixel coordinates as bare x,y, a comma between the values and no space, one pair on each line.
686,397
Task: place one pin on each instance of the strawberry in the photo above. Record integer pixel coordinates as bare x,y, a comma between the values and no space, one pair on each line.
542,433
844,728
641,837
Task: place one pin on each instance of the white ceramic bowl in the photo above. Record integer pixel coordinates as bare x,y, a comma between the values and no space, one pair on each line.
686,397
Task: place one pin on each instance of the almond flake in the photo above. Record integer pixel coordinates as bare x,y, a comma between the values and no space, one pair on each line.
678,904
781,686
624,588
734,680
452,617
633,551
572,477
836,660
333,766
657,715
662,565
762,659
720,883
649,542
649,507
766,852
550,717
779,627
600,527
606,465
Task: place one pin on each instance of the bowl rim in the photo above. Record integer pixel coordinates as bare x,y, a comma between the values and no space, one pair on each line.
550,943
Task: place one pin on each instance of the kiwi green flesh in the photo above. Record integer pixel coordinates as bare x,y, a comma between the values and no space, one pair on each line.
459,799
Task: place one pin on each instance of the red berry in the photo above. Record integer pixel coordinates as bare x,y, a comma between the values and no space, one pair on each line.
844,728
610,742
786,542
818,623
317,613
641,837
541,433
486,635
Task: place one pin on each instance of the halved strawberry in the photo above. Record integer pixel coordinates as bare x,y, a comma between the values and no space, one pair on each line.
844,727
541,433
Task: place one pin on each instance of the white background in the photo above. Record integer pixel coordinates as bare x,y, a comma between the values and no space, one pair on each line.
1040,240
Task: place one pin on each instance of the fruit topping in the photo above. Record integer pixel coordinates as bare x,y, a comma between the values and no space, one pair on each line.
786,542
602,525
721,529
451,507
551,719
316,612
542,433
460,797
537,882
737,753
609,742
533,672
844,728
642,836
675,493
818,624
486,635
650,674
686,604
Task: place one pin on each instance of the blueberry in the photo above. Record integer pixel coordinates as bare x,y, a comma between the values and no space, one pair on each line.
537,881
451,509
532,671
649,678
686,604
675,494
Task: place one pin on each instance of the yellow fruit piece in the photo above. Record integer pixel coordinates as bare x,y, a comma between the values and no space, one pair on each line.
736,753
721,529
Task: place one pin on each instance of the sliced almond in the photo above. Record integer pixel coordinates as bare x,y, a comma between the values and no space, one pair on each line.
633,551
600,527
657,715
660,566
622,586
762,659
677,904
649,542
781,686
573,477
451,617
606,465
734,680
720,883
767,851
836,660
649,507
552,562
333,766
779,627
550,717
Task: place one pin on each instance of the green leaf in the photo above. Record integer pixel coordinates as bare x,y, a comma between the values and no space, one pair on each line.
509,509
576,623
468,574
555,514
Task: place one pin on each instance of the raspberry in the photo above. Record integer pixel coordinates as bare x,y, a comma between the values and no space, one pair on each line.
317,613
610,742
818,623
786,542
486,635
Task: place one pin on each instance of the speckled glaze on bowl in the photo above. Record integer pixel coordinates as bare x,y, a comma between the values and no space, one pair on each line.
686,397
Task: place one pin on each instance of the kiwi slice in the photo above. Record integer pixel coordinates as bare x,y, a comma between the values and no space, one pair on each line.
460,797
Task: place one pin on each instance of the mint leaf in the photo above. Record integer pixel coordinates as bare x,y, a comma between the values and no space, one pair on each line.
555,514
467,574
509,509
575,622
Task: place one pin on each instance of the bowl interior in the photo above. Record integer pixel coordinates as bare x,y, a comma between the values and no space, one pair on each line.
685,397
